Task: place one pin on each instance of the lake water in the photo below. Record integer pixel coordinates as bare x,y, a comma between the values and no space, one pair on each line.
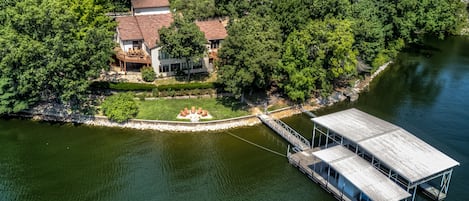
426,92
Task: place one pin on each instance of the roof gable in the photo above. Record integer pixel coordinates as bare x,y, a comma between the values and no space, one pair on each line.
128,28
149,26
146,27
213,29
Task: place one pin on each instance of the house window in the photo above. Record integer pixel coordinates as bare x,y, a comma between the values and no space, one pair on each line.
164,68
184,66
197,64
175,67
135,44
214,44
163,55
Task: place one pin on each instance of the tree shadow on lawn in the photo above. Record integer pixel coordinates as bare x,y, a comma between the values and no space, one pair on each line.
232,103
198,77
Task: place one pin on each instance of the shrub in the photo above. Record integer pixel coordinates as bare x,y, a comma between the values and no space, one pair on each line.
141,96
125,86
196,92
171,92
148,75
380,59
155,92
120,107
188,86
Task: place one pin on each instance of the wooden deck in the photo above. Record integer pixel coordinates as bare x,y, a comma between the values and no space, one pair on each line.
282,129
135,57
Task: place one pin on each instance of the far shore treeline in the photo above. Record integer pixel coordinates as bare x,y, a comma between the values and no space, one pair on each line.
51,50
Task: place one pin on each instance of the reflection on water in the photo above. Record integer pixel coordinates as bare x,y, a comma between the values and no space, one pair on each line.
424,92
41,161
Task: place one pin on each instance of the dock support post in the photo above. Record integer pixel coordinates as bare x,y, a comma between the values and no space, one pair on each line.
444,184
327,138
328,173
314,135
413,194
320,137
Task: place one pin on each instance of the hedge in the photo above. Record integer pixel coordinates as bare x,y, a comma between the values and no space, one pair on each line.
124,86
188,86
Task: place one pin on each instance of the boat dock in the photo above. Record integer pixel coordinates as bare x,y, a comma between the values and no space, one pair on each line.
362,157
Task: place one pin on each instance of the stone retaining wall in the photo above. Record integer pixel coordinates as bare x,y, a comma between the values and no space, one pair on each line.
177,126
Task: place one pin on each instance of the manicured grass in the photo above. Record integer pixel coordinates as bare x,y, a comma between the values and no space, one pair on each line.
183,79
168,109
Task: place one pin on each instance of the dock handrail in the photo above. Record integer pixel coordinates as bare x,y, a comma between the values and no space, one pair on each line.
288,133
293,132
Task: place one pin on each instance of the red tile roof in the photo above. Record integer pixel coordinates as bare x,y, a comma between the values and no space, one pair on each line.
128,28
149,26
213,29
146,27
143,27
149,3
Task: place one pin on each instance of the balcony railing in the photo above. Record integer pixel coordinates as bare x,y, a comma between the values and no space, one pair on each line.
133,56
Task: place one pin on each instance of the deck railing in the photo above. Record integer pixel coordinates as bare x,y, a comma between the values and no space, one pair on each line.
293,132
286,132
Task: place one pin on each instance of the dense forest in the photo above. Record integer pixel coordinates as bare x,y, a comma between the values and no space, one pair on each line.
52,49
308,47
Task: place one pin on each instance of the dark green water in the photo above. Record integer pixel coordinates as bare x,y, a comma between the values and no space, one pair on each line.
425,93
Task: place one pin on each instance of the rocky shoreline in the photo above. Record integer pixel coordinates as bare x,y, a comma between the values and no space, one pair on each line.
57,113
351,93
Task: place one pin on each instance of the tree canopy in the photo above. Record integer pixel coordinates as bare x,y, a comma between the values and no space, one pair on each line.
249,54
183,39
120,107
51,51
313,59
324,43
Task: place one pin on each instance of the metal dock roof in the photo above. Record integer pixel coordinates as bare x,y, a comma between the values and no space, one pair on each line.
401,151
361,174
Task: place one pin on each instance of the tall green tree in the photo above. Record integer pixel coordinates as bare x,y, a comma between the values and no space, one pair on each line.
368,29
416,19
321,9
195,9
183,39
249,54
317,56
292,15
51,51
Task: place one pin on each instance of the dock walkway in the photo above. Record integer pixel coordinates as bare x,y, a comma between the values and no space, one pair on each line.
282,129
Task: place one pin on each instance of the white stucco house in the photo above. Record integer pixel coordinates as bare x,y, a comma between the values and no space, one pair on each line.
137,36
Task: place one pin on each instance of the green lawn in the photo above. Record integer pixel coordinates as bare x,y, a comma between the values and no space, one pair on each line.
168,109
